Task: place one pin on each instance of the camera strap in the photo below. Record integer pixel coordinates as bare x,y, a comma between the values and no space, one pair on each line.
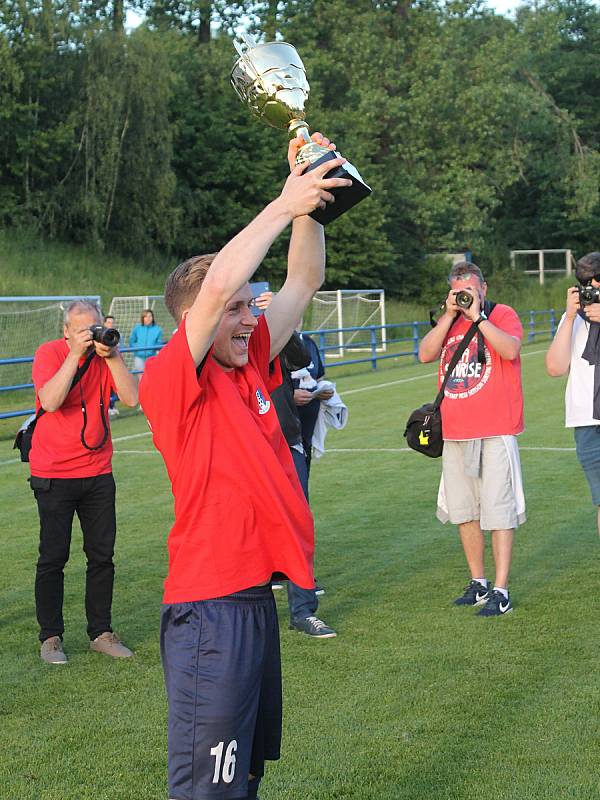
453,362
85,419
76,378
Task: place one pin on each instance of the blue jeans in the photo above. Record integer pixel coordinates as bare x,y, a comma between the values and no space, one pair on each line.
301,602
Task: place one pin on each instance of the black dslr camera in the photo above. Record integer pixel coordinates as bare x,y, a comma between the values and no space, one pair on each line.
463,299
589,294
107,336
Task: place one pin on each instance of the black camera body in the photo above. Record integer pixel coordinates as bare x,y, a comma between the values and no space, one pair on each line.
463,299
107,336
589,295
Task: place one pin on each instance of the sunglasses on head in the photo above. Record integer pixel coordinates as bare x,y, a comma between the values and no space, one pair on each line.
588,281
464,276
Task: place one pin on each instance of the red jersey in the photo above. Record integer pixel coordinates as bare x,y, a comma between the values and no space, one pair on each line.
240,513
56,450
482,399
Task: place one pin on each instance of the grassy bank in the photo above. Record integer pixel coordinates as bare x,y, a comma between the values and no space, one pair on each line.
32,266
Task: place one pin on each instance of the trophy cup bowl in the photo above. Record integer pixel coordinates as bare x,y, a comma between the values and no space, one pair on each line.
270,79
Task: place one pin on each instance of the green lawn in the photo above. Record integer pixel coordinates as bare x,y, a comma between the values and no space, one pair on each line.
415,699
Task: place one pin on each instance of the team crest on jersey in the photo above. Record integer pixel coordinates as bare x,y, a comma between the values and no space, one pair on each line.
263,405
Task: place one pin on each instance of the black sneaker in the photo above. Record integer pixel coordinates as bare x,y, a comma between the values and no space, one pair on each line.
496,606
313,626
476,594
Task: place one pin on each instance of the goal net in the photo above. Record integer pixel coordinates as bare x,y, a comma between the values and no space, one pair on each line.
127,312
25,323
357,309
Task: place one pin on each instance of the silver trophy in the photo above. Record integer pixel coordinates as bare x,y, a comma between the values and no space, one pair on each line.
270,78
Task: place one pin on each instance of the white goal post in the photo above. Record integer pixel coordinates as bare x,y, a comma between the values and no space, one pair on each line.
542,269
349,308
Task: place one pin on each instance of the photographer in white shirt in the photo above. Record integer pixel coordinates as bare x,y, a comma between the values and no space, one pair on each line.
576,350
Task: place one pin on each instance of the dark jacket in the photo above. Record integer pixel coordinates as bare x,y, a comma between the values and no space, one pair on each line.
293,356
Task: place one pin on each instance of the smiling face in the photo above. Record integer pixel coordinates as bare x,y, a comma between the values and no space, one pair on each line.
233,334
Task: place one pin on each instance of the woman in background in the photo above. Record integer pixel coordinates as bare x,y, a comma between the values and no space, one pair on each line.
146,334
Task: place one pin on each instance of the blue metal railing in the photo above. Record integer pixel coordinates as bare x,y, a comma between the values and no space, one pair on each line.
378,336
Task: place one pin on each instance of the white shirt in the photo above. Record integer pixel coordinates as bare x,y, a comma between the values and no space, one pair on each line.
579,394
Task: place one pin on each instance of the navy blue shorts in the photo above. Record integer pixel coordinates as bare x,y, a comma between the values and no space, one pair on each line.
222,670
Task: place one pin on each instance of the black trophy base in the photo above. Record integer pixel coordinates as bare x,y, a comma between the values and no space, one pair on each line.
345,196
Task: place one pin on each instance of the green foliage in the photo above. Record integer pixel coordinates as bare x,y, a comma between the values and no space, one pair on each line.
475,132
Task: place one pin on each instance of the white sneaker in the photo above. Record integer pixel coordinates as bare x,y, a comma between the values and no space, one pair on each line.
113,412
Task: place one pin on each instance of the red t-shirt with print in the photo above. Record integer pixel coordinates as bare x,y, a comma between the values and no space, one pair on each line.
56,449
482,399
240,513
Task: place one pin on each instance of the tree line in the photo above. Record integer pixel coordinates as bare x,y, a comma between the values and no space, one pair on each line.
475,131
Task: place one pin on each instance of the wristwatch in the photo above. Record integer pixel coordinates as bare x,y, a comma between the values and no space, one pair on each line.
482,318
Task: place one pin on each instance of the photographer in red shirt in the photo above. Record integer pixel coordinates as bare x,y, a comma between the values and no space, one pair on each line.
482,414
240,513
71,472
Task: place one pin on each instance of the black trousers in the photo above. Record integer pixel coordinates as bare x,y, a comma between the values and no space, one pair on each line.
93,500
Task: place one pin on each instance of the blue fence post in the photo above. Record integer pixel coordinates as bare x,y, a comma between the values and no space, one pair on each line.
552,322
373,347
531,336
415,338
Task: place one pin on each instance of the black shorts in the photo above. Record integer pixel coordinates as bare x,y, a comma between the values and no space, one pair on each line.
222,670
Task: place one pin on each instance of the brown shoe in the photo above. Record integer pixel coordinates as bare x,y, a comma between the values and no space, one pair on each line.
110,644
52,651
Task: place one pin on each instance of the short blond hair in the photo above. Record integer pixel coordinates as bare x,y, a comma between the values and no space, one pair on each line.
184,283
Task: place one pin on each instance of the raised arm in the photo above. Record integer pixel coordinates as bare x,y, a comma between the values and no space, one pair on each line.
54,391
431,344
306,261
558,357
238,260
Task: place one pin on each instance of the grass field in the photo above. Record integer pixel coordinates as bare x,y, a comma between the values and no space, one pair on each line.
415,699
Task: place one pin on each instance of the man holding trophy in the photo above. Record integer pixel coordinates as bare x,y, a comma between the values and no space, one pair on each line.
240,514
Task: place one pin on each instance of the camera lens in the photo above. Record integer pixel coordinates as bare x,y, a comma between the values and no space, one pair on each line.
464,299
110,337
107,336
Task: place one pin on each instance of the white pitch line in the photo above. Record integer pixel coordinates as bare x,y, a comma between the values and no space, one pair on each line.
409,450
550,449
346,392
132,436
136,452
332,450
116,439
391,383
369,450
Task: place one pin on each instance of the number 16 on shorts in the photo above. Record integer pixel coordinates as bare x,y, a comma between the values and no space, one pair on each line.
224,765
